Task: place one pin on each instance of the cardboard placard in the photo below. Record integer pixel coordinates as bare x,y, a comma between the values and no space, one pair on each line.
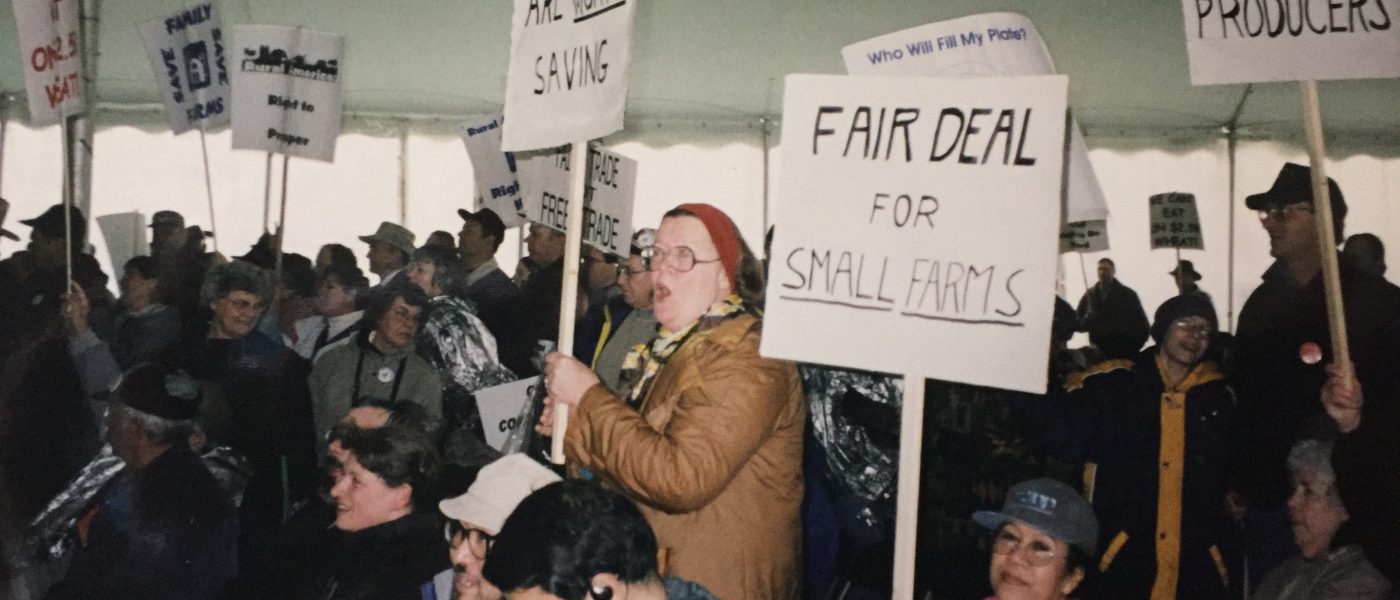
286,90
608,195
1249,41
916,212
494,170
187,51
1175,222
125,234
567,78
50,45
500,407
1084,236
986,45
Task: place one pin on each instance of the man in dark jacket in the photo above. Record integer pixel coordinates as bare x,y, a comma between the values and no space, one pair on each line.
605,335
161,528
1113,315
1283,349
489,287
538,310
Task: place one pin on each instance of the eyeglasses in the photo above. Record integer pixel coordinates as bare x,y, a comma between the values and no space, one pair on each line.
479,541
243,305
1037,553
1193,325
1283,213
680,258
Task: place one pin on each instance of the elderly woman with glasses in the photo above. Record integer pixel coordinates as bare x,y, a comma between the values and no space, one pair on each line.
1045,534
707,439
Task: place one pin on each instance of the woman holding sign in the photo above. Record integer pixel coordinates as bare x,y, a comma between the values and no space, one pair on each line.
708,441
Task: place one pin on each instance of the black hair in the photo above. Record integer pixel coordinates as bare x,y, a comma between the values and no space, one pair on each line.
405,414
398,455
435,239
563,534
1109,261
748,277
349,277
144,266
298,275
381,299
340,255
449,270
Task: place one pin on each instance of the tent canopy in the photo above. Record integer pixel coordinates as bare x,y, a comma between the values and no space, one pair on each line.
724,60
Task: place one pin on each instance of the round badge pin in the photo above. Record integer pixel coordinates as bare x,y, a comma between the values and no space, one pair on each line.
1310,353
386,375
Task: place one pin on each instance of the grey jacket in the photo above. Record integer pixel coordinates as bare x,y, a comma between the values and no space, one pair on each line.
352,371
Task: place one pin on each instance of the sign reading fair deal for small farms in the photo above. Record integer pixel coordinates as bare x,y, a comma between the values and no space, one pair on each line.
567,79
51,51
286,90
1175,222
918,221
1247,41
494,170
187,53
608,194
987,45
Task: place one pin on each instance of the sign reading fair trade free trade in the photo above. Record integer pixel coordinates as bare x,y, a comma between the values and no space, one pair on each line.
1248,41
567,78
187,51
286,90
608,194
918,220
50,48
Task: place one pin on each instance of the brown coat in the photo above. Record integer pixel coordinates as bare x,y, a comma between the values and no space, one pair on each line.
714,461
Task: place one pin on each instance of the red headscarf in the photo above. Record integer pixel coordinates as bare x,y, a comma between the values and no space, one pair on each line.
724,236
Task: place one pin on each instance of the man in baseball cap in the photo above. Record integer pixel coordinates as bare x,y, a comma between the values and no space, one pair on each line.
389,249
477,516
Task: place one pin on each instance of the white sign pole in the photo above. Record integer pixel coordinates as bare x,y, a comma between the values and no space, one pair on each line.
568,301
911,444
1322,208
208,187
67,201
267,195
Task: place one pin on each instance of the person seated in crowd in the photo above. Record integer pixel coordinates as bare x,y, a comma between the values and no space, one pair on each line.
161,528
458,346
1322,570
490,288
1151,434
1044,535
144,329
378,363
389,250
387,541
474,519
573,540
609,331
334,255
338,299
708,437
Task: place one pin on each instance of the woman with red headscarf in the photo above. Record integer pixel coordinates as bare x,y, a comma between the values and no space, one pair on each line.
708,440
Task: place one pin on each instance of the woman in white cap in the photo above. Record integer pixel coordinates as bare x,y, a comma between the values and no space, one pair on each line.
1045,534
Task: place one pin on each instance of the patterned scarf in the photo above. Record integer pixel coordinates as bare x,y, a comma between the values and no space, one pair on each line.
642,364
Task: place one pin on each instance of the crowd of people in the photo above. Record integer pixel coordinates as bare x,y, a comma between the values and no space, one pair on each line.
273,426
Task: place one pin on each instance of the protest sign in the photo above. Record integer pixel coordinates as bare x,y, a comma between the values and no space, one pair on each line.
494,170
611,186
1175,222
125,234
1084,236
1242,41
914,212
286,90
187,52
985,45
567,78
50,45
500,407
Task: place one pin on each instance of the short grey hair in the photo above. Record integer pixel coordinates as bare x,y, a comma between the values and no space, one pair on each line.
1315,456
157,429
235,276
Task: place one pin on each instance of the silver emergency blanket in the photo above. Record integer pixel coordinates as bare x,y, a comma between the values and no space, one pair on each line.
854,416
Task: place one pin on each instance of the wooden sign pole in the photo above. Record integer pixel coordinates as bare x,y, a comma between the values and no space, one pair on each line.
1322,210
568,298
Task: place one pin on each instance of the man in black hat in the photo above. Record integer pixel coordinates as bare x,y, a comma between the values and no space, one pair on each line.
1185,277
1289,390
488,286
161,528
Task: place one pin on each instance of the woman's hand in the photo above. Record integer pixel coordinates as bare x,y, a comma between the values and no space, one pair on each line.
567,379
75,309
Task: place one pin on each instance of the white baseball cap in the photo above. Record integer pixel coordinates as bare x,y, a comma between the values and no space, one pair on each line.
498,488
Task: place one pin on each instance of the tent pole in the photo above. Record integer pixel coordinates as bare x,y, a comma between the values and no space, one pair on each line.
80,130
403,172
1232,138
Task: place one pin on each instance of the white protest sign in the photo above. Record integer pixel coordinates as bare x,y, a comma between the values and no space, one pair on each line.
611,186
286,90
500,407
187,52
1084,236
917,215
125,234
494,170
1175,222
1248,41
985,45
50,48
567,78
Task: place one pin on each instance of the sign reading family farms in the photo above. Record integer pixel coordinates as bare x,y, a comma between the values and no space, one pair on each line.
1175,222
50,47
1247,41
608,194
286,90
187,52
986,45
494,170
917,218
567,78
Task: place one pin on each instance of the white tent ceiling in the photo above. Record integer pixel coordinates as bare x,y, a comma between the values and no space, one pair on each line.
724,60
